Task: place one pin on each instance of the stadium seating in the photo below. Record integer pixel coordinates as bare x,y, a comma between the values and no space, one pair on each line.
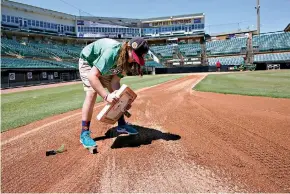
276,57
71,50
29,63
52,50
12,46
232,46
236,60
272,42
24,63
153,64
189,50
39,50
266,42
63,64
165,51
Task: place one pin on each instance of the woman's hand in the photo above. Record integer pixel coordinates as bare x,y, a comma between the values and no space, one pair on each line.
112,97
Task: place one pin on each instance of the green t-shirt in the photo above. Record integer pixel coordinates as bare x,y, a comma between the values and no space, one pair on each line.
103,54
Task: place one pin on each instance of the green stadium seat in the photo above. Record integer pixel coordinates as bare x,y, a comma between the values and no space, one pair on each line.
153,64
12,46
273,57
221,47
272,42
236,60
29,63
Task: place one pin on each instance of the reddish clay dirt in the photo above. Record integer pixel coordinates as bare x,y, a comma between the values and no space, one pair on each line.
188,142
13,90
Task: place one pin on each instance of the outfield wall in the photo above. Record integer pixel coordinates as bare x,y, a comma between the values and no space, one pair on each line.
11,78
181,70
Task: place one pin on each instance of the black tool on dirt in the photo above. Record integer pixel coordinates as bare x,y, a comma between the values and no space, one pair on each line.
54,152
50,152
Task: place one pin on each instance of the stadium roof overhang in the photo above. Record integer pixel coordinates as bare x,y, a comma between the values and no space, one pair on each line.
233,32
176,17
287,29
152,39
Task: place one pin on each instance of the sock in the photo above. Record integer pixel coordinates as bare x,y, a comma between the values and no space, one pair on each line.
121,121
86,126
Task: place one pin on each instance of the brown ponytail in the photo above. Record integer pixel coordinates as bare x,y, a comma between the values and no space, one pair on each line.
122,62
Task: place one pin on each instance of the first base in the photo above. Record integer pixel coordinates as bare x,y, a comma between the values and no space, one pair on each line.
112,112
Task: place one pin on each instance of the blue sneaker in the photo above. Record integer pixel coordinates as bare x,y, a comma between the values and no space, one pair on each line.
127,129
86,140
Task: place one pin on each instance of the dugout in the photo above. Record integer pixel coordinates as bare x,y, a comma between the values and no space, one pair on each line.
11,78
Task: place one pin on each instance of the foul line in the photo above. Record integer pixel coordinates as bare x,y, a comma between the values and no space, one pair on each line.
43,126
198,81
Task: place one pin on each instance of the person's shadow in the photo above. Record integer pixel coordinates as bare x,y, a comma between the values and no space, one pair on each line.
144,137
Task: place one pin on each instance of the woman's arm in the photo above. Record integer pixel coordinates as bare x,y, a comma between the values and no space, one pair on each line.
115,83
98,87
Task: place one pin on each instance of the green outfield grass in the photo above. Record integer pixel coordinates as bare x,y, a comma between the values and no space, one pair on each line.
260,83
22,108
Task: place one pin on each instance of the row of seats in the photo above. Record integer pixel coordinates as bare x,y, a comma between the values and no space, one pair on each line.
51,49
12,46
34,49
189,49
29,63
153,64
265,42
269,42
165,51
226,60
238,60
272,57
231,46
235,60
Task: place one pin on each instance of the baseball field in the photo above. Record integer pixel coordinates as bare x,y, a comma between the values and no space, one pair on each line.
197,133
21,108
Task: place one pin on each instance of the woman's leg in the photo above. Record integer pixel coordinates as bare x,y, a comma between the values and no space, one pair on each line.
87,110
122,125
88,105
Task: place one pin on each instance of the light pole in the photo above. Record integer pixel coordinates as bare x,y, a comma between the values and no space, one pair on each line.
258,16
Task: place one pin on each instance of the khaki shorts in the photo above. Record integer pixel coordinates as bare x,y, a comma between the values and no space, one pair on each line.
84,69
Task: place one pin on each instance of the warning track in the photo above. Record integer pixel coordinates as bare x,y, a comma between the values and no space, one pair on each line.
188,142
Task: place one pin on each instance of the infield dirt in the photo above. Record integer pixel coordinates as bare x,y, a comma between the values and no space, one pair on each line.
188,142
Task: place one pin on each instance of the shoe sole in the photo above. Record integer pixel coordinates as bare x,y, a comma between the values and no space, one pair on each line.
88,146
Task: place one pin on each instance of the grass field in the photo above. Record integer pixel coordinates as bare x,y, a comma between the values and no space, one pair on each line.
22,108
260,83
